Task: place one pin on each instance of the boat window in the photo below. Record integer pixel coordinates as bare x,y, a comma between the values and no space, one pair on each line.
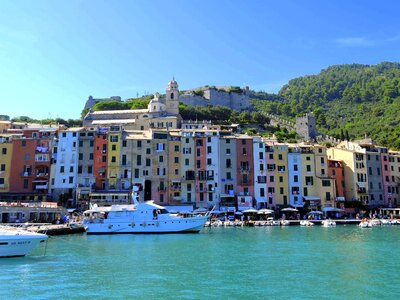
3,243
162,211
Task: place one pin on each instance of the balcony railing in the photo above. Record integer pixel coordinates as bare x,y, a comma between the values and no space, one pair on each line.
41,187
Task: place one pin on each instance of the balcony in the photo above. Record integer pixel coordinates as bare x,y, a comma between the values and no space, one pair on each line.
42,158
41,187
175,188
244,194
26,174
161,189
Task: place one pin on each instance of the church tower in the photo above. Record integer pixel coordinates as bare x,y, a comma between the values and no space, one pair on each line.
172,97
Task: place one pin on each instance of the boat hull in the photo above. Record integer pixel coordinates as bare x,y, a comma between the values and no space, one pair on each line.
15,246
184,225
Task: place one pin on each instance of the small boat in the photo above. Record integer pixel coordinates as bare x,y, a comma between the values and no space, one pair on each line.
18,242
365,224
328,223
306,223
285,223
376,222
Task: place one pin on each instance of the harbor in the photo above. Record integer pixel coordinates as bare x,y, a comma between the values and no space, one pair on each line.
296,262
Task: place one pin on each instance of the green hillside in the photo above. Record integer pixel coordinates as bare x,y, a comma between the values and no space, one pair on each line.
360,99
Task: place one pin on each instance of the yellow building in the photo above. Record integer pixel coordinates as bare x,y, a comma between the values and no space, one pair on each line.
311,193
355,169
324,184
174,171
114,159
5,163
281,174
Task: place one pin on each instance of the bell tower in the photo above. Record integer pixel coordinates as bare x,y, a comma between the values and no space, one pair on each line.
172,97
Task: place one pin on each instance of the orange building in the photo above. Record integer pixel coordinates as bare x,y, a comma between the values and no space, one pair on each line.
336,171
100,160
30,168
245,171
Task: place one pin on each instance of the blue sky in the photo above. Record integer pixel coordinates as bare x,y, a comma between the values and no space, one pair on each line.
54,54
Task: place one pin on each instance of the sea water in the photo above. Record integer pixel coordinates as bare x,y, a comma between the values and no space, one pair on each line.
344,262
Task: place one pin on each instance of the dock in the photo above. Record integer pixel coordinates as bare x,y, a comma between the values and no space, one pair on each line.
56,229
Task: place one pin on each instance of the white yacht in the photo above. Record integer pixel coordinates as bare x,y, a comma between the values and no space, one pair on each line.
146,217
18,242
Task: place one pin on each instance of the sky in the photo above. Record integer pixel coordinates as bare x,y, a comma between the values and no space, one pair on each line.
54,54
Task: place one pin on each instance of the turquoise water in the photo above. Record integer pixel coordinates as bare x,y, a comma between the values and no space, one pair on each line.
345,262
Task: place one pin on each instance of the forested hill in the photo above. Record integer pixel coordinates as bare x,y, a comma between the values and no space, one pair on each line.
360,99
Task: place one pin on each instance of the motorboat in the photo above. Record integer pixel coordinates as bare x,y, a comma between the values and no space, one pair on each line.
285,223
146,217
328,223
18,242
306,223
365,224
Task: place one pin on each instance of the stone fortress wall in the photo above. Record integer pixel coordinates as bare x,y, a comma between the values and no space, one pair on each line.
217,96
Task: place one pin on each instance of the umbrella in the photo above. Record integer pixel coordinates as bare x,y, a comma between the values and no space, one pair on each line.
250,210
238,213
265,211
315,212
289,209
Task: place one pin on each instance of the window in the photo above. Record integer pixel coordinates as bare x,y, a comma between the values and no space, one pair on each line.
176,160
113,159
2,167
113,147
308,158
296,178
61,169
161,159
139,144
227,141
123,160
186,161
281,190
280,178
25,183
198,164
328,196
176,148
71,179
91,143
71,169
308,167
209,150
148,162
136,175
104,158
90,169
114,138
262,192
23,143
262,179
326,182
271,178
79,169
80,143
80,156
280,157
139,160
27,156
4,151
198,152
90,156
295,167
228,151
124,143
209,161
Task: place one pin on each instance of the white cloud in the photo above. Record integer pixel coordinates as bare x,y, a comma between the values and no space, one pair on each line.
355,42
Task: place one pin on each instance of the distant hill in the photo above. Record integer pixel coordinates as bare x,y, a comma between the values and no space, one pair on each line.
360,99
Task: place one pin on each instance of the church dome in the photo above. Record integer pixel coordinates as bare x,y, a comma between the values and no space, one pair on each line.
172,85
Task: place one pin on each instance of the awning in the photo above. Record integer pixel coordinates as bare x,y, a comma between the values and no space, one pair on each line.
37,181
361,184
332,209
312,198
226,196
260,200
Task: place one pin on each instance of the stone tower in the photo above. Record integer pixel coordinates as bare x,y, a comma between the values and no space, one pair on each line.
172,98
306,127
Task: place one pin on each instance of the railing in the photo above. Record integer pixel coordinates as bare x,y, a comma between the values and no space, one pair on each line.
41,187
26,174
